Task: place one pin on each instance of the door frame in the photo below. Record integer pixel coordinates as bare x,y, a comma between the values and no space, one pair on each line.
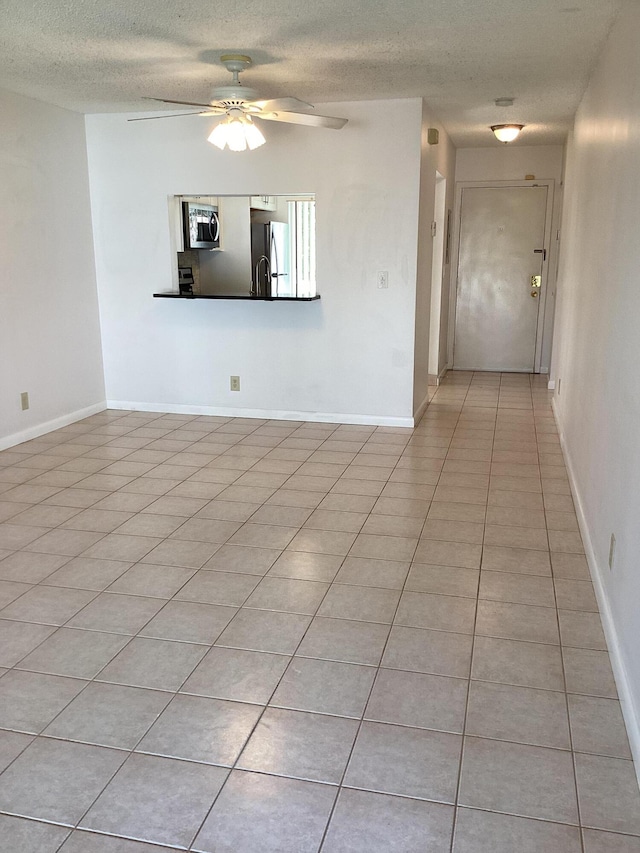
547,266
438,268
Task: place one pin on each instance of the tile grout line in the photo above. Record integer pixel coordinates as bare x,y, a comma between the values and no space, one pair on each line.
456,803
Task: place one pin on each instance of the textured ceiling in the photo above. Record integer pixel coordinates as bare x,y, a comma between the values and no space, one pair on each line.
96,56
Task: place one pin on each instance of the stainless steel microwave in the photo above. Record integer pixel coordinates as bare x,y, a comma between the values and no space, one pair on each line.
201,226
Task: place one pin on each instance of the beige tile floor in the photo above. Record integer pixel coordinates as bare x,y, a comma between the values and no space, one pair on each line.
237,635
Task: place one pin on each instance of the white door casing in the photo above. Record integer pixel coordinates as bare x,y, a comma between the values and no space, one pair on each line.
498,323
437,275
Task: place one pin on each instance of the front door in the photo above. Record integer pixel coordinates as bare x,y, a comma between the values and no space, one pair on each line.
502,232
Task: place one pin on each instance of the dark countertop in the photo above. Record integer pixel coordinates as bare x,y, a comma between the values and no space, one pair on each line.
172,294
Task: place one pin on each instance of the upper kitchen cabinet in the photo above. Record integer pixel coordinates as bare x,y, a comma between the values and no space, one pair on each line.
263,202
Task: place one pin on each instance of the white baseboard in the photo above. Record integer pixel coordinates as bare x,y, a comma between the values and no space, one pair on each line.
436,380
422,408
50,426
629,711
267,414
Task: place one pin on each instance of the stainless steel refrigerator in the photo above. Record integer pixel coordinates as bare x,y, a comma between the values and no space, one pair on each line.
270,260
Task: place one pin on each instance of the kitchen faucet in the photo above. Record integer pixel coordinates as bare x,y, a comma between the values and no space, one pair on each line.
258,285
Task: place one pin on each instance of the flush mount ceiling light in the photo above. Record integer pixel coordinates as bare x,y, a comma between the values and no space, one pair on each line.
506,132
237,133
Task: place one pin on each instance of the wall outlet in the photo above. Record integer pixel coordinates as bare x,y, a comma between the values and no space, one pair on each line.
234,383
383,280
24,400
612,551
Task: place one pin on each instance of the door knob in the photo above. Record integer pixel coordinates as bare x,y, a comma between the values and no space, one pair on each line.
534,293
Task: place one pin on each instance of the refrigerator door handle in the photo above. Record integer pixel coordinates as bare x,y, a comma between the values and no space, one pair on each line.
273,251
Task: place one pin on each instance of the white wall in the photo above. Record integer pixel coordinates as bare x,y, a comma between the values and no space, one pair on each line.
434,158
513,163
49,325
509,162
349,354
597,351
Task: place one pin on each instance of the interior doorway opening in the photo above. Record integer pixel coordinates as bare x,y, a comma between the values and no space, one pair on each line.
437,272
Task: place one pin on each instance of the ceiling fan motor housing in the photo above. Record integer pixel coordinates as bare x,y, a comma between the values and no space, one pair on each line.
233,95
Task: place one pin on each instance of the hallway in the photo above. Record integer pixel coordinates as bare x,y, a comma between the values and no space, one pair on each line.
234,635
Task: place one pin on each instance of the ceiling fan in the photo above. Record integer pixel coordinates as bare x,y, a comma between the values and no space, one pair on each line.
239,105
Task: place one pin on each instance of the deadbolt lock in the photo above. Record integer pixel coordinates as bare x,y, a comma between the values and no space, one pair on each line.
536,281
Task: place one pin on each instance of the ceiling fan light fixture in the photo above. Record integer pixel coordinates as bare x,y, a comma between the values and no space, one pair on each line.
506,132
218,135
253,135
236,139
237,133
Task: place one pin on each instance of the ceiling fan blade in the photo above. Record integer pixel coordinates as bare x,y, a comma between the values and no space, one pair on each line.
310,119
169,115
186,103
290,104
